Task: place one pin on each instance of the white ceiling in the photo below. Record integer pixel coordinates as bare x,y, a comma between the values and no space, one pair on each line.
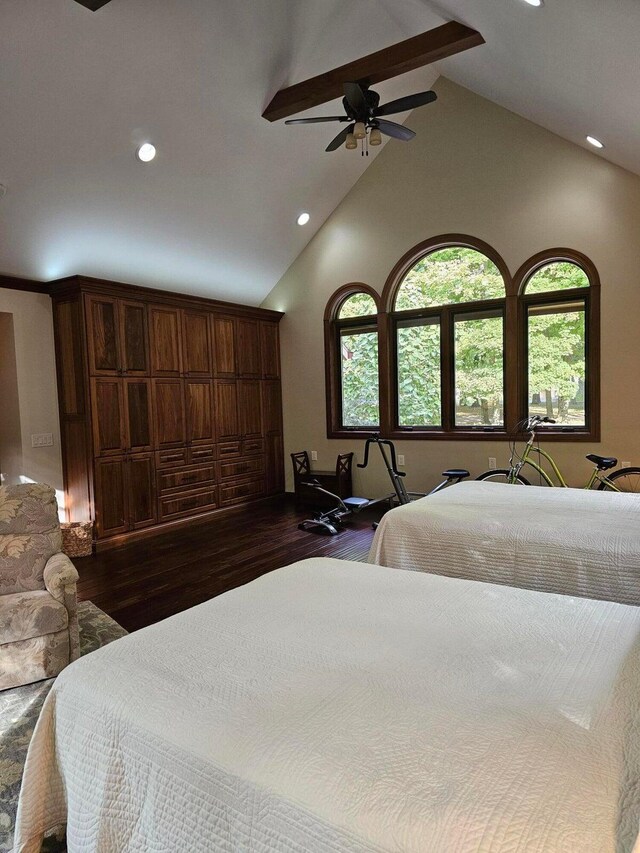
215,213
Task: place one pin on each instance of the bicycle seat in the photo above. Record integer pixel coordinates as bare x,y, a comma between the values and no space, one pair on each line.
455,473
603,462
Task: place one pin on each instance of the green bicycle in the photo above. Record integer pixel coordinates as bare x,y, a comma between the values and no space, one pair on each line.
622,480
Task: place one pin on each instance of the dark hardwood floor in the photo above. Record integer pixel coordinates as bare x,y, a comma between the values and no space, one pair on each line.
148,580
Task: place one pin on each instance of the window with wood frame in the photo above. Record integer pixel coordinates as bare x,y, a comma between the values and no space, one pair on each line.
456,347
354,333
556,308
447,325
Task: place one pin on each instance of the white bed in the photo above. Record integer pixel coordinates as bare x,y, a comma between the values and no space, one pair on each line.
338,706
569,541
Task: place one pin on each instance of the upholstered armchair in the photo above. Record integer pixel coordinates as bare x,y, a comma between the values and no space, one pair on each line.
38,609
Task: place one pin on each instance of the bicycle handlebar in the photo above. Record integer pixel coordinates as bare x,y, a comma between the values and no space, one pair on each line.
535,420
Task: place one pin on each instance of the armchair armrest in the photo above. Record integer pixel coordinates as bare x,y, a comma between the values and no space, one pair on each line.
59,572
60,578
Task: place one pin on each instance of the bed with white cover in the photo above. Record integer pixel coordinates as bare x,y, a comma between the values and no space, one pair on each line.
339,706
570,541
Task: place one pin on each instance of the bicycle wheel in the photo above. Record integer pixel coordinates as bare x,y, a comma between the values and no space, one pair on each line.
626,480
501,475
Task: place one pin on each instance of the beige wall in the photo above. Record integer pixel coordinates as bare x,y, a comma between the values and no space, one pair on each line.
37,394
478,169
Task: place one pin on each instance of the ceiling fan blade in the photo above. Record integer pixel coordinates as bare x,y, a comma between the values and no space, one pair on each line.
410,102
315,120
355,98
340,139
94,5
398,131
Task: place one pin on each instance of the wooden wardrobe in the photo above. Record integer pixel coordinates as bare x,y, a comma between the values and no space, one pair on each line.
170,406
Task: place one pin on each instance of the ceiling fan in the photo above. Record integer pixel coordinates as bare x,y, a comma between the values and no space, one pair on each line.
94,5
365,116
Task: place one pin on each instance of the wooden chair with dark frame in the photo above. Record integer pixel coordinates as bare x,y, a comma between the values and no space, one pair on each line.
338,482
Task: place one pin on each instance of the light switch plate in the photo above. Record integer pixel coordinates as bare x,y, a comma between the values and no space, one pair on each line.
492,463
42,439
314,455
400,459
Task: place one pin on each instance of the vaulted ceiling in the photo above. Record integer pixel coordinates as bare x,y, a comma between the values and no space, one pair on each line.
215,213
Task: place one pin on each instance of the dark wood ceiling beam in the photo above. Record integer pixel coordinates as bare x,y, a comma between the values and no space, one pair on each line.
94,5
443,41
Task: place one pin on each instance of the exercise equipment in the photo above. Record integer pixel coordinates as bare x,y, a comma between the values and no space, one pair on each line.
332,520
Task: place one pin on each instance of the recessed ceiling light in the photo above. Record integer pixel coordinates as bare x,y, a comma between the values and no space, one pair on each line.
303,218
146,152
535,2
595,142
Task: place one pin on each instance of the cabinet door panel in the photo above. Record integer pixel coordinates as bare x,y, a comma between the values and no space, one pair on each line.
111,504
197,343
108,417
270,350
226,410
168,403
137,398
248,348
249,407
133,326
103,335
271,406
224,346
274,464
199,411
141,489
166,341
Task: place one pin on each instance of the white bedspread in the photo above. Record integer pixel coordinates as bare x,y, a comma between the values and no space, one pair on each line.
554,540
337,706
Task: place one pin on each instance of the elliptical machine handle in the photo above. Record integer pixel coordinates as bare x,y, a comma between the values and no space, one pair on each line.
373,438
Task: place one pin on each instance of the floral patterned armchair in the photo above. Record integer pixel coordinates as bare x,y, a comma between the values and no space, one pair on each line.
38,607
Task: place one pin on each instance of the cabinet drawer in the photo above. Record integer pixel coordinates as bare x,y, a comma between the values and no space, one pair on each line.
167,458
240,468
184,478
252,445
231,493
186,504
228,448
205,453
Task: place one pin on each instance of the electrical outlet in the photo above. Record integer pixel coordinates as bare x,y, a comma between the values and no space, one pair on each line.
43,439
400,459
625,464
314,455
492,463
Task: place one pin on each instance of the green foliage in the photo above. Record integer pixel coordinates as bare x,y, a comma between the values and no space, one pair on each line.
557,362
419,375
357,305
359,358
458,275
559,275
449,276
479,359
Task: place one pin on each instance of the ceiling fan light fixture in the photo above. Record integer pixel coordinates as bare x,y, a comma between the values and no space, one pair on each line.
359,130
375,137
351,142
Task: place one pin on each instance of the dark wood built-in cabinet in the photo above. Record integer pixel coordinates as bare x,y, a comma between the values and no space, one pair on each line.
170,406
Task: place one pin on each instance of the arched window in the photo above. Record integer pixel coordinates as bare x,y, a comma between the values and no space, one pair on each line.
447,318
458,348
559,337
351,322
